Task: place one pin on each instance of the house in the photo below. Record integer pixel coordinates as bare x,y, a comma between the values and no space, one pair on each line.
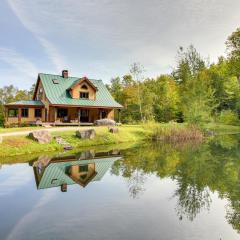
70,170
64,99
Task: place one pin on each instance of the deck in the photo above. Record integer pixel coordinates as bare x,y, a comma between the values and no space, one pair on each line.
64,124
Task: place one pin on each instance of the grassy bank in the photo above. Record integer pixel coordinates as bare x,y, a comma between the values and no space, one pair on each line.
19,145
132,134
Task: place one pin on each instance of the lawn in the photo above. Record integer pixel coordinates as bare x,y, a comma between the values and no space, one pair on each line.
222,128
18,129
22,145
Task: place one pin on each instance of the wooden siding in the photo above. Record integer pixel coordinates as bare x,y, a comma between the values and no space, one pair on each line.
30,119
78,88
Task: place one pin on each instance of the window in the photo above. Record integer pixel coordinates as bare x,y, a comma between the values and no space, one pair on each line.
25,112
84,86
84,95
38,113
55,81
13,112
62,112
83,168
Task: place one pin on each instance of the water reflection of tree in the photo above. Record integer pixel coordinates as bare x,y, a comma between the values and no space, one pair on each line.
191,200
198,169
136,183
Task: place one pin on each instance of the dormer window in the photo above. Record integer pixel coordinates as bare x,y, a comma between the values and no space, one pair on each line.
84,95
84,86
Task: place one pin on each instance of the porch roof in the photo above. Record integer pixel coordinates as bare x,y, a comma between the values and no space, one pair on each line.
58,94
33,103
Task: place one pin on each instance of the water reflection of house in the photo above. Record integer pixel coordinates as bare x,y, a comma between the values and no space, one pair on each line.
63,171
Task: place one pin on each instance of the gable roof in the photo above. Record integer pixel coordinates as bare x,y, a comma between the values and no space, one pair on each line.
58,94
81,80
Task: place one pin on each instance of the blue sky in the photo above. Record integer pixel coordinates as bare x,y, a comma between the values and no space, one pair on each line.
102,38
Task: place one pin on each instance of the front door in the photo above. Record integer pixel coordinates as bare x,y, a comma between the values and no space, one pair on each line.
84,115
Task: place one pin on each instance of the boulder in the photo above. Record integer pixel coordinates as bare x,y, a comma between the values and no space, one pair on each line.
105,122
86,134
113,130
42,161
42,136
39,122
61,141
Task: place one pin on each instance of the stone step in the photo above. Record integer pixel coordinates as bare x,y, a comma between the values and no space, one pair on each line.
61,141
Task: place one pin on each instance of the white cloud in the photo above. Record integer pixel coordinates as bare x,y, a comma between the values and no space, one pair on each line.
114,33
24,13
18,62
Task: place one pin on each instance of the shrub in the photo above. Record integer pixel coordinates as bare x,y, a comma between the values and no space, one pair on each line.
173,133
228,117
1,120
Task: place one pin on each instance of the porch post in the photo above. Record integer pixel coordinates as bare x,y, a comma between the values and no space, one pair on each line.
55,114
6,114
79,116
19,115
119,115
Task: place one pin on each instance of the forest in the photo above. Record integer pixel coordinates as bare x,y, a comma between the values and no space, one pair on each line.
196,91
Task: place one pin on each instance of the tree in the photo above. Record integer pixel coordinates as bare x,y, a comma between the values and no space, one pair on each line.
189,64
233,47
11,94
137,70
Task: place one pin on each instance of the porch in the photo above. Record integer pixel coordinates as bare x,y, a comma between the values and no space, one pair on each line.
73,116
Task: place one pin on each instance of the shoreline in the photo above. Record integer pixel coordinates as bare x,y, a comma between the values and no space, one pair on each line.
20,145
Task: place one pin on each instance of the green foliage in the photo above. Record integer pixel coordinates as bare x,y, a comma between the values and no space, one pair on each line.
1,120
228,117
11,94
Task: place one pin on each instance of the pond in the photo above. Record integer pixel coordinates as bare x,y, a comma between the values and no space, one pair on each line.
154,191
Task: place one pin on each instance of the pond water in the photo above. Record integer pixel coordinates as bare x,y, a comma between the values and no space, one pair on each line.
155,191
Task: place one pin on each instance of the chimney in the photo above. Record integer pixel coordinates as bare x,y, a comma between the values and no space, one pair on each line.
65,73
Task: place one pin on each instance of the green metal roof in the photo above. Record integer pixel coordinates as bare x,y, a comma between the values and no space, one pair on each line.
27,102
55,173
58,94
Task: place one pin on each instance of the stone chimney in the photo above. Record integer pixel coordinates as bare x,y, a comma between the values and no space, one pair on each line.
65,73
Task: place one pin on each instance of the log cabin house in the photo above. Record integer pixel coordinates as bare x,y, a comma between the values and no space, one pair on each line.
63,100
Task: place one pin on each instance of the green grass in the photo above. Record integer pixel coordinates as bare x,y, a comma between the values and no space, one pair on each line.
18,129
221,128
21,145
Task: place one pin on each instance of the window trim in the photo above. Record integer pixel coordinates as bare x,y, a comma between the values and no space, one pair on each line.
23,111
15,110
35,110
84,86
83,93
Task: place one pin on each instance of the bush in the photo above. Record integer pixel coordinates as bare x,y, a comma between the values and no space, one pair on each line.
228,117
177,134
1,120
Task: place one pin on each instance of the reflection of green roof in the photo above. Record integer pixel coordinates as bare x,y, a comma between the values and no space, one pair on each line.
54,175
58,94
27,102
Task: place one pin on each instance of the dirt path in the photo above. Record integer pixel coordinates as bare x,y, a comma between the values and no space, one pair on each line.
53,129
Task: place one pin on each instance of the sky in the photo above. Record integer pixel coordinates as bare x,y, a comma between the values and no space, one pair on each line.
101,38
